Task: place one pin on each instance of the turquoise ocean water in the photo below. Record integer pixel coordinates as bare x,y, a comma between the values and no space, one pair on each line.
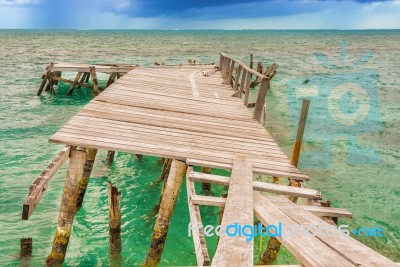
368,184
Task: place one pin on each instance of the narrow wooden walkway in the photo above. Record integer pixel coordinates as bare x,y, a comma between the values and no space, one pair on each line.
176,113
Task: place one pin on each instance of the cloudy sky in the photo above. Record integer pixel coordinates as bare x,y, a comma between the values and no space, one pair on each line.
199,14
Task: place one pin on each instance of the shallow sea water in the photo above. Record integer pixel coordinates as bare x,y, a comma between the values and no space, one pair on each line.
370,190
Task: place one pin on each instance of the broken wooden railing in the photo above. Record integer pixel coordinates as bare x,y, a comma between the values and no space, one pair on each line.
239,76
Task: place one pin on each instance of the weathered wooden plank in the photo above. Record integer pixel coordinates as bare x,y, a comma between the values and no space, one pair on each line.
349,248
200,245
259,186
39,186
236,250
308,250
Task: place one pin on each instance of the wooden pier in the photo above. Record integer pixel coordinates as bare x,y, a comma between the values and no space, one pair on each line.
198,116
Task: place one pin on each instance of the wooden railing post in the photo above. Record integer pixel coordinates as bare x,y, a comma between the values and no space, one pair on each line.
258,108
231,69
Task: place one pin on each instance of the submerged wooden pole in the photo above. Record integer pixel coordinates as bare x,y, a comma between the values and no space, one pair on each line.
67,207
168,201
93,74
87,171
110,157
206,187
114,213
25,252
273,247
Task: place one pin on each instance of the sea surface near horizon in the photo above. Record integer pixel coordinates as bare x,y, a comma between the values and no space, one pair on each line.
370,190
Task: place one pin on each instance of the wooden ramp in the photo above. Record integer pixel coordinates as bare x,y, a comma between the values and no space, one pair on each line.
176,113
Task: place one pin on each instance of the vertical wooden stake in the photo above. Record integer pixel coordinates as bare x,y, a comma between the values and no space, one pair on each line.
168,201
87,77
71,89
114,213
251,61
294,160
230,73
238,74
110,157
206,187
258,108
93,74
25,252
273,247
67,207
87,171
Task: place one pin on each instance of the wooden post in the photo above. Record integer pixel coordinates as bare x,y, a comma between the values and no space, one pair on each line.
163,178
67,207
294,160
44,78
168,201
258,108
71,89
114,213
251,61
57,74
110,157
206,187
26,247
247,89
87,171
25,252
93,74
273,247
259,67
226,70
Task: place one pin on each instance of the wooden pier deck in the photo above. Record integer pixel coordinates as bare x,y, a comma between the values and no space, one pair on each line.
197,116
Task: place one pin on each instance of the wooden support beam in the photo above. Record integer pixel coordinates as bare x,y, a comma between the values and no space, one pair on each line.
57,74
87,77
71,89
237,250
87,171
67,207
262,93
110,157
111,79
316,210
200,245
258,186
71,82
168,201
44,79
39,186
95,84
251,61
114,213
